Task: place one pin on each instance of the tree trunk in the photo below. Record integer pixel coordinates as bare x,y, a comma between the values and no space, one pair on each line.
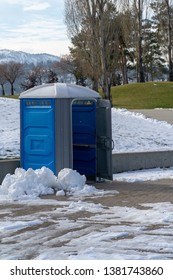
124,68
95,85
106,80
141,70
3,90
106,86
170,46
12,89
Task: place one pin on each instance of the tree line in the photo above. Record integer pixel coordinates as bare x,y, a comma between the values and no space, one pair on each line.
9,72
28,78
111,37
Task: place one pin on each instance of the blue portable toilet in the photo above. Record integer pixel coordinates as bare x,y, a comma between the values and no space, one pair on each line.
66,126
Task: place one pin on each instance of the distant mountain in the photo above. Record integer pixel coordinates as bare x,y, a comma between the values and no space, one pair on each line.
26,58
29,61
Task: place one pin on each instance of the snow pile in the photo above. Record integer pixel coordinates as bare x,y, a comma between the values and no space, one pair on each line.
144,175
133,132
71,182
28,184
9,128
31,184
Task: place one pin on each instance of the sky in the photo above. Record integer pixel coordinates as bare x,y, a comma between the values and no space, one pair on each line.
33,26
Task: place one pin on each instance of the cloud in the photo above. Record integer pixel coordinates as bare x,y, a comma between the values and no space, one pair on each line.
37,7
18,2
34,30
38,36
41,27
30,5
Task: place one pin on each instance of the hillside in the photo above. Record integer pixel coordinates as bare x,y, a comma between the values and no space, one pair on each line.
26,58
148,95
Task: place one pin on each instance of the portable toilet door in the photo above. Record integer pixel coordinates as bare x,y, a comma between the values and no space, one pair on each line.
38,133
104,139
84,137
92,138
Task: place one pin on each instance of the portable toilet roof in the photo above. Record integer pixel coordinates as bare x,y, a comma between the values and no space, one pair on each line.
60,90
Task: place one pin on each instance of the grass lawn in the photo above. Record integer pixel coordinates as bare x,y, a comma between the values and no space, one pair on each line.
11,96
148,95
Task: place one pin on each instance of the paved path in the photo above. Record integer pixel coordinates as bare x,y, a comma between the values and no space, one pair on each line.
122,228
159,114
133,194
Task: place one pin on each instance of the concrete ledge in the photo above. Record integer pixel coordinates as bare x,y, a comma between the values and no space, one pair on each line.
122,162
8,166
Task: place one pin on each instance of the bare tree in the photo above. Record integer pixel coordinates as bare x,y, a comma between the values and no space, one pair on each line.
69,64
82,29
139,11
65,65
86,62
30,81
3,80
34,78
95,21
12,71
39,72
125,39
139,6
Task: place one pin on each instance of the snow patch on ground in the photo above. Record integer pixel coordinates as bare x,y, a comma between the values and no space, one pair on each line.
30,184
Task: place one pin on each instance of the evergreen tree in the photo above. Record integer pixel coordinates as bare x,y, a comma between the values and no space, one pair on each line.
153,59
163,20
52,76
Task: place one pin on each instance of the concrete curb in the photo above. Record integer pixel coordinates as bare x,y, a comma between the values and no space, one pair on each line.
121,162
8,166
